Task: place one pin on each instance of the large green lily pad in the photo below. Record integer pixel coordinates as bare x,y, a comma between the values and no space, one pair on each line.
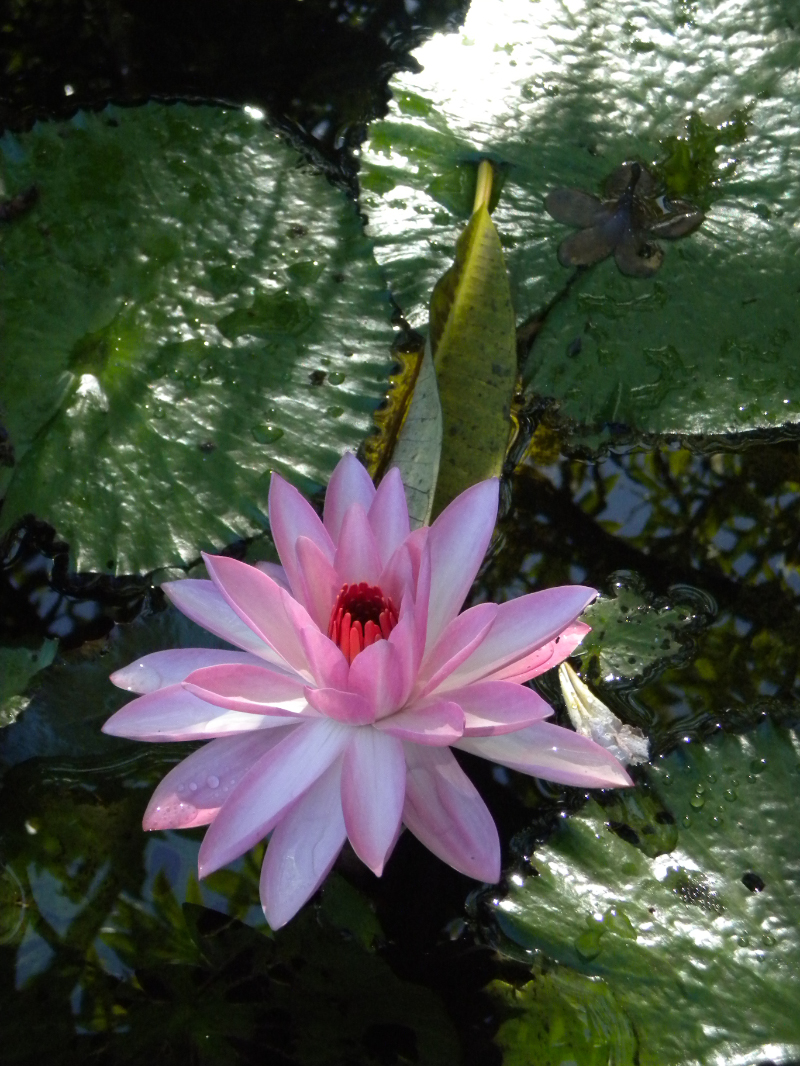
698,945
186,308
707,96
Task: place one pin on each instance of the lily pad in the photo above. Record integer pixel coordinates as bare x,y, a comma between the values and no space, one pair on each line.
698,945
195,308
564,96
635,635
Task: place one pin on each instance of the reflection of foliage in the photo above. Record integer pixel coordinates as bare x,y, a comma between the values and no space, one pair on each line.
129,971
725,524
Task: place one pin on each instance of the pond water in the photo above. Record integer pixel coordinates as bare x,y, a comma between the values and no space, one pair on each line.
220,230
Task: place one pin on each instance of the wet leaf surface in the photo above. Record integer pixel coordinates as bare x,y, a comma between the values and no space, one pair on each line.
564,97
197,309
699,958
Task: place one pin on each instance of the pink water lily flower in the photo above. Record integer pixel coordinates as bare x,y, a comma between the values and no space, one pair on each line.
354,677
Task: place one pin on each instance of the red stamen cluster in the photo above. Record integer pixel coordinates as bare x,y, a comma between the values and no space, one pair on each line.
361,615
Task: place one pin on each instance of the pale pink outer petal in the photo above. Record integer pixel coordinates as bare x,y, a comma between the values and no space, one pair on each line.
397,578
388,515
250,689
174,714
350,483
275,781
445,812
357,556
373,789
204,603
188,795
320,582
261,604
554,753
329,668
276,572
254,684
521,626
492,708
162,668
303,848
291,516
439,723
376,674
544,658
459,639
458,540
347,707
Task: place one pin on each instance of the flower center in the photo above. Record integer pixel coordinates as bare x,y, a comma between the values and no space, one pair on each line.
360,616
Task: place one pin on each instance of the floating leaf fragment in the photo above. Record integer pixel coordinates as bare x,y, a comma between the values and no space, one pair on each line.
631,212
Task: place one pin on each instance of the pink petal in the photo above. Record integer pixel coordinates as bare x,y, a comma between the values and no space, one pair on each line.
357,557
458,540
495,707
397,577
275,781
303,848
554,753
174,714
459,639
195,789
329,668
320,582
350,483
204,603
373,788
544,658
290,517
522,626
439,723
388,514
162,668
251,689
376,674
347,707
445,812
261,604
276,572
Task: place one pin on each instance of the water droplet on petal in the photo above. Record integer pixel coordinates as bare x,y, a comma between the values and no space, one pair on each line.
193,786
212,781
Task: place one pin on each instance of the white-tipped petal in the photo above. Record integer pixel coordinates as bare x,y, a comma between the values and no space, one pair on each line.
373,789
303,848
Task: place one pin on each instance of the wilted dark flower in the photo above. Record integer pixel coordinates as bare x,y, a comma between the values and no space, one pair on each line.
625,222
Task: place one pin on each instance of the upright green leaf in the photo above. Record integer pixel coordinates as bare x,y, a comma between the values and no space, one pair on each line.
417,453
473,337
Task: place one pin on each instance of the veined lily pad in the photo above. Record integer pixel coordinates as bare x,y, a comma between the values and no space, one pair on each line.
698,945
564,95
186,308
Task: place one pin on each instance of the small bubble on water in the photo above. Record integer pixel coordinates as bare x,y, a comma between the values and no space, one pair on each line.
212,781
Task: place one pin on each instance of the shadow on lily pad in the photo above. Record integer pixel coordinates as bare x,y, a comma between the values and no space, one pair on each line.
632,214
